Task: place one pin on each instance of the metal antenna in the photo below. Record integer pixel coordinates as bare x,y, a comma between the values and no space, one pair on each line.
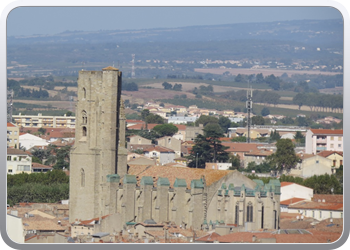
9,105
133,66
249,106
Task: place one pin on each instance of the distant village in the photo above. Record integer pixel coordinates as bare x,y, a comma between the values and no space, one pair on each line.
304,215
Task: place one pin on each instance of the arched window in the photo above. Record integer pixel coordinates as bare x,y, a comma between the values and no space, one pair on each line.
262,216
250,212
237,214
82,178
84,117
84,93
84,131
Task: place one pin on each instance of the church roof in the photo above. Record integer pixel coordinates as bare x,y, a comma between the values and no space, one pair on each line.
110,68
186,174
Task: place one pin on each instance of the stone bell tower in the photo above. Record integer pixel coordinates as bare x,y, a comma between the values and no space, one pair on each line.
94,156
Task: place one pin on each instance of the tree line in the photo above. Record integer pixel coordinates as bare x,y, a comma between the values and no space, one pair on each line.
50,187
319,102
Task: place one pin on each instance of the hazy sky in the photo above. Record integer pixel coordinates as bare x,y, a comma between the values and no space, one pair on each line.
53,20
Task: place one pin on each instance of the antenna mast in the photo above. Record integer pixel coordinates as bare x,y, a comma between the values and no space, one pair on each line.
133,66
249,106
9,105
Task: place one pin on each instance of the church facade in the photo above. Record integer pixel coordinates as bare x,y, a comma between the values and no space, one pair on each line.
101,182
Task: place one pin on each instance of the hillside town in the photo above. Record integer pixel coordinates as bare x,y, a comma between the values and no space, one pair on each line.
163,188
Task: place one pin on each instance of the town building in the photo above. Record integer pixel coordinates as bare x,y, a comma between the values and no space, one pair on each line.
28,141
170,142
101,182
317,140
44,121
18,161
335,156
12,136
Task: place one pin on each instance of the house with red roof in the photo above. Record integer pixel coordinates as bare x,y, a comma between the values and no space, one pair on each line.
335,156
317,140
292,193
319,210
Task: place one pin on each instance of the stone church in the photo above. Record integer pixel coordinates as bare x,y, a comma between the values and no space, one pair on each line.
101,182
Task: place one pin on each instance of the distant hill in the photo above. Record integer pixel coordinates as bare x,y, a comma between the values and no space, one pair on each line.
319,32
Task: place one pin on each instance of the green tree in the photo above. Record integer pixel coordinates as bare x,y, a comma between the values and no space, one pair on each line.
224,123
144,114
236,162
177,87
274,136
265,111
208,147
299,138
167,129
152,118
258,120
167,85
285,157
206,119
42,131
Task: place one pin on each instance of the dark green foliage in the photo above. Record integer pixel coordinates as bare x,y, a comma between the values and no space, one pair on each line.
165,129
49,178
239,139
236,162
224,123
208,147
265,111
29,192
258,120
177,87
264,167
130,86
144,114
152,118
274,136
206,119
167,85
284,158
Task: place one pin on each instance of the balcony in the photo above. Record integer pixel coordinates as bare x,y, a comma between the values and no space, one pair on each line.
324,141
321,148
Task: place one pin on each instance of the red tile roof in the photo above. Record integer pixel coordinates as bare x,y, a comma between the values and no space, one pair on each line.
291,201
285,183
318,205
180,126
336,198
327,131
88,222
328,153
9,124
244,237
209,237
142,126
36,165
260,152
157,148
240,147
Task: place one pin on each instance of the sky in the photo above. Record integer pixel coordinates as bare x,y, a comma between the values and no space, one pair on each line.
26,21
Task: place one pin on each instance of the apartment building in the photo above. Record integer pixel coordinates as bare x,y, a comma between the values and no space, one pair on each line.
318,140
12,135
43,121
18,161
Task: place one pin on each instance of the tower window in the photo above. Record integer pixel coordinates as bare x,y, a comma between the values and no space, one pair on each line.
82,178
250,212
237,214
84,131
84,117
84,93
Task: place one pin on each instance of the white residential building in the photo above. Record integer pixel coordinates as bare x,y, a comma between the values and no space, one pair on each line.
28,141
181,119
317,140
293,190
44,121
18,161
